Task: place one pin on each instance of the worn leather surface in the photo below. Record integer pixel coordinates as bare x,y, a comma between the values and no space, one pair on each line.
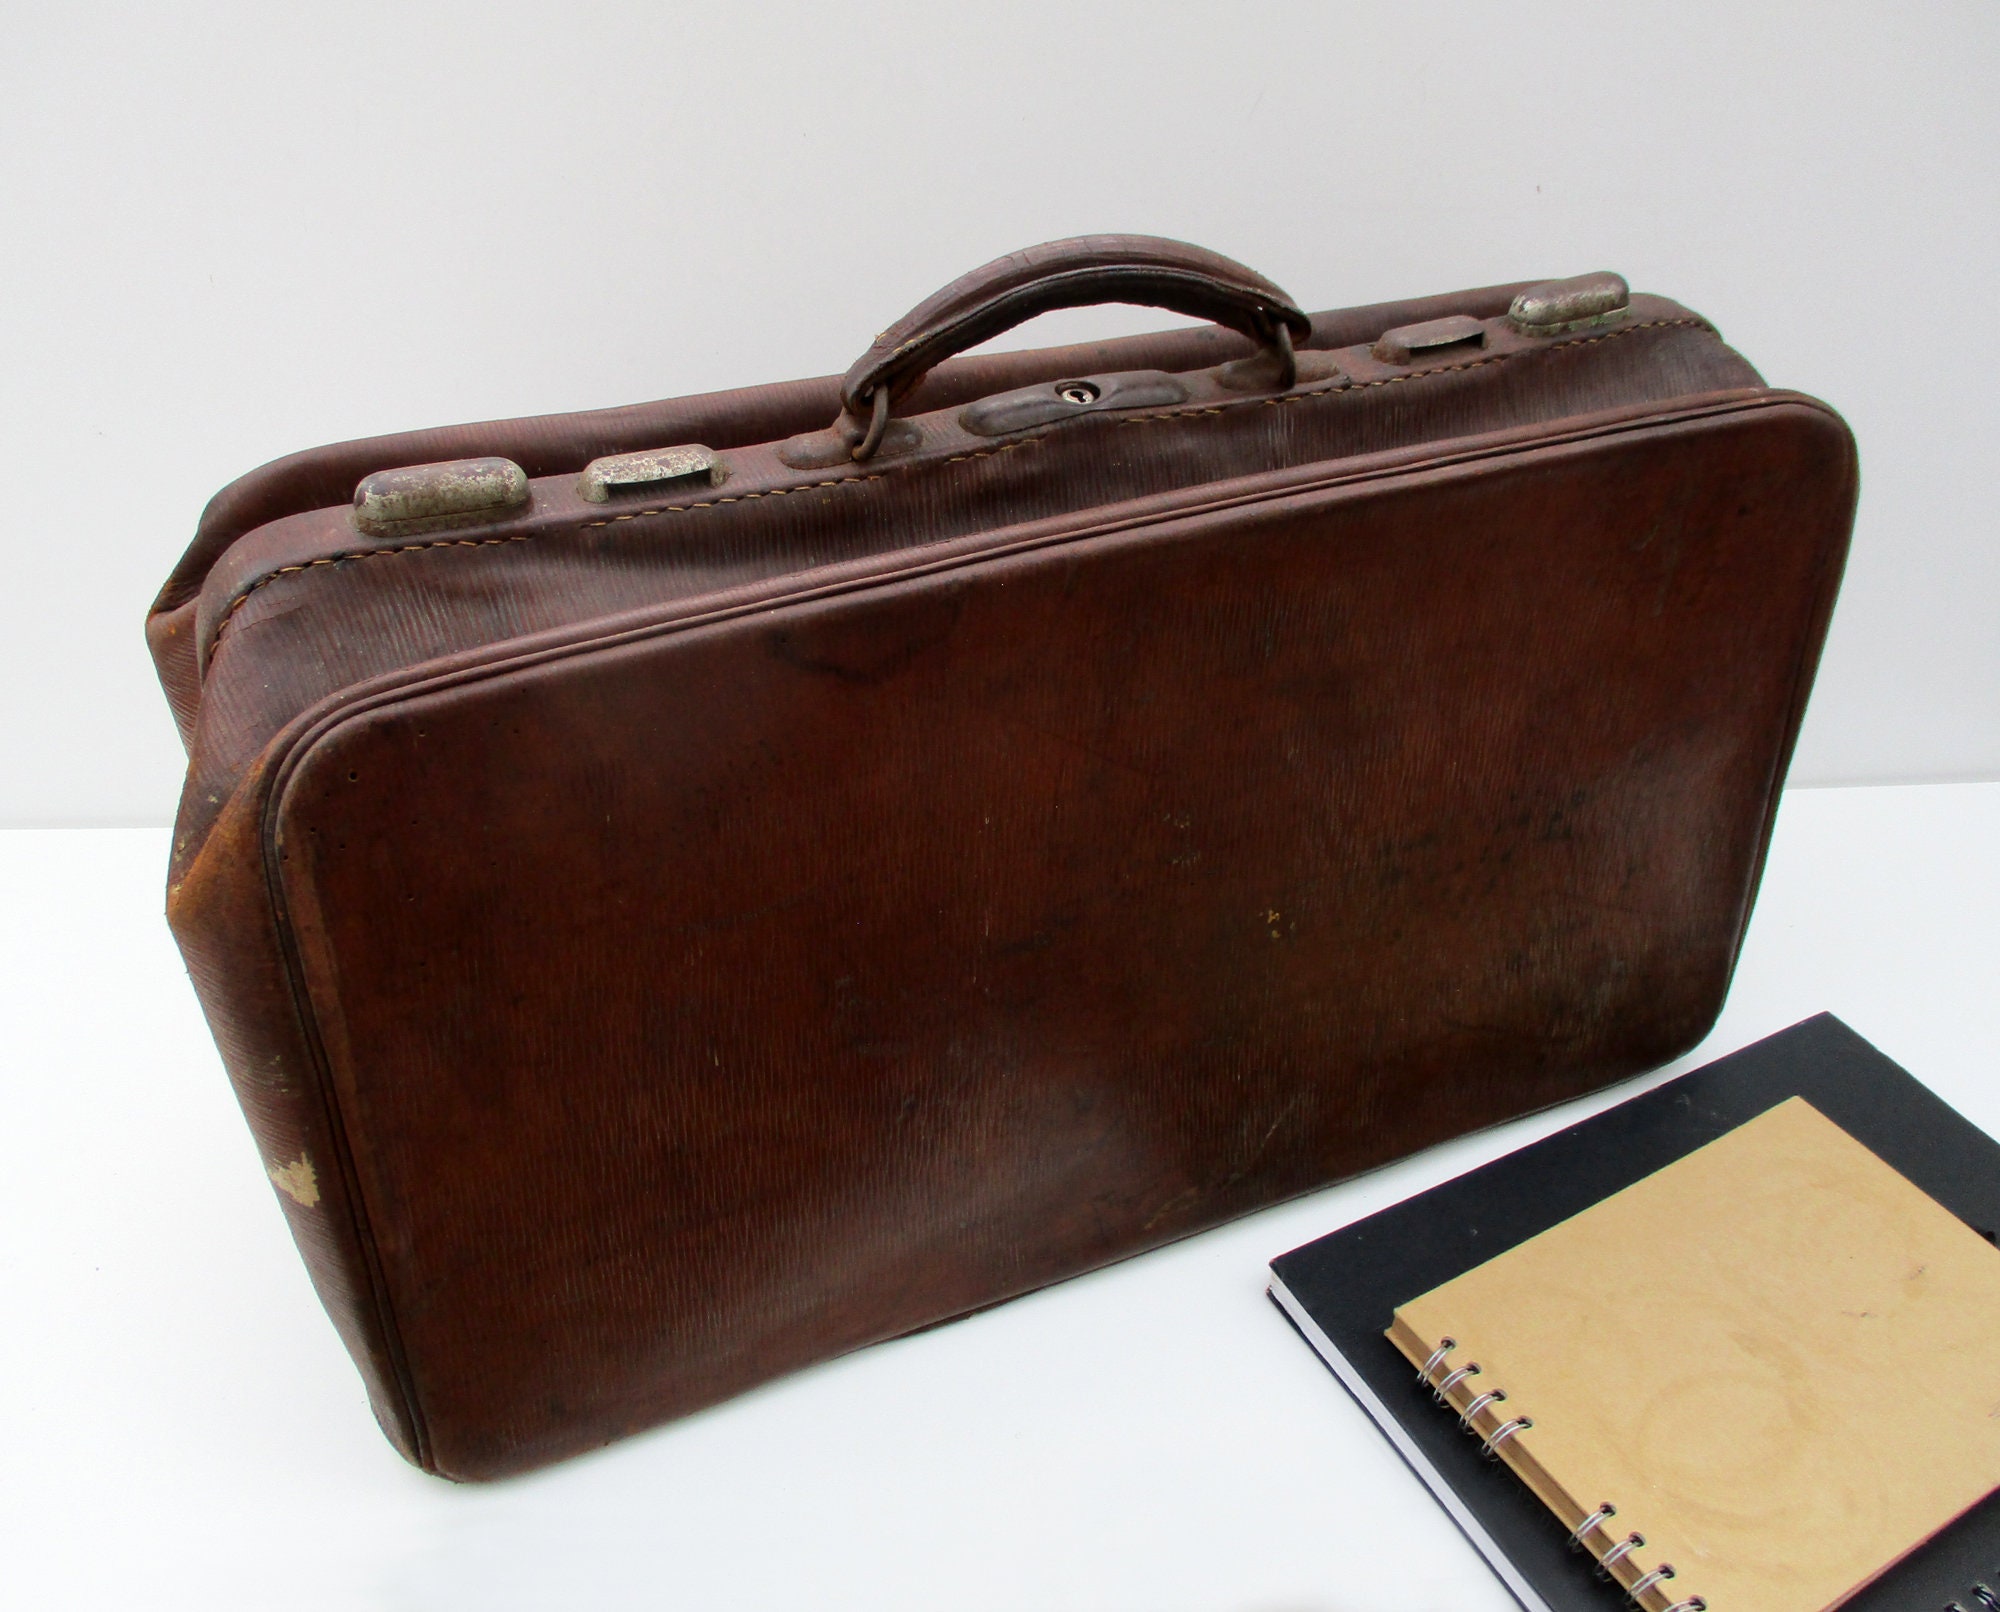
564,560
561,444
660,948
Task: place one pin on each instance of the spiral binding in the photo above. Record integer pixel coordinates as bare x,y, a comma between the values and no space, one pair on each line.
1478,1403
1443,1389
1603,1513
1507,1427
1982,1592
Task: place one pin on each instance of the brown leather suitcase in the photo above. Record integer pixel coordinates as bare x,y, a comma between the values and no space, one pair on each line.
689,890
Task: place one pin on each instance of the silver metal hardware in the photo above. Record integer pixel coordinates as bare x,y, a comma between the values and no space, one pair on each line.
1648,1580
1445,1347
1493,1397
1694,1603
1405,342
650,470
1576,304
1604,1513
425,498
1505,1431
1444,1387
1078,392
1621,1550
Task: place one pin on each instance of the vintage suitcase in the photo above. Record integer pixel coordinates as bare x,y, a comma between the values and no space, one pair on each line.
689,890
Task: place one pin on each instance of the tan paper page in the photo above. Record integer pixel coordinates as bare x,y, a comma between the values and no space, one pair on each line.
1777,1357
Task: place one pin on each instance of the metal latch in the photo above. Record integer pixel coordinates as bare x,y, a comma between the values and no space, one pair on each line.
1403,344
429,498
1565,305
651,471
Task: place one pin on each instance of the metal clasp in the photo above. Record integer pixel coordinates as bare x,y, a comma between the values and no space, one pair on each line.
427,498
649,470
1561,306
1405,342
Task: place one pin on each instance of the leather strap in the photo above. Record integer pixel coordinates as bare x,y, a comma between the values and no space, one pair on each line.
1088,269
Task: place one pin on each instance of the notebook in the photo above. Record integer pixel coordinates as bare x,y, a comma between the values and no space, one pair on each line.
1738,1337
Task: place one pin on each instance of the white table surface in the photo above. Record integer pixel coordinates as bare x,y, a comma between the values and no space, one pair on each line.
180,1428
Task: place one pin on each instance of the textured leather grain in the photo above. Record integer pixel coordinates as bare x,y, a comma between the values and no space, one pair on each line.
560,444
661,944
1069,274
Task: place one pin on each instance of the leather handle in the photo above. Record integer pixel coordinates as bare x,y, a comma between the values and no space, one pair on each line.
1145,269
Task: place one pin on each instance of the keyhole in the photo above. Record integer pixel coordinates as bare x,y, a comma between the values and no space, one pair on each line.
1077,392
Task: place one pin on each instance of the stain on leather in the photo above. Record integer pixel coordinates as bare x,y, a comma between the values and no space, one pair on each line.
868,651
297,1181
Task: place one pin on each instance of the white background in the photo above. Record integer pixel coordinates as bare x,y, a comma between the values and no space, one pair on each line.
231,231
180,1430
228,232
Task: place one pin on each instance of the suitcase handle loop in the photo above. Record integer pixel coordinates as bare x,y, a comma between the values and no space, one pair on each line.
1076,273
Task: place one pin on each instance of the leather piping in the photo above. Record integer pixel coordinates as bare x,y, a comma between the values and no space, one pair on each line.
315,725
1305,394
1811,649
588,636
329,1100
1415,375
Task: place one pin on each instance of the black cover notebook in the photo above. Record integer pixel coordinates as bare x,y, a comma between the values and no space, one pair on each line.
1341,1291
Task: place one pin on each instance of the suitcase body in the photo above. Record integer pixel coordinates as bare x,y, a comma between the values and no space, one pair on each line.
720,909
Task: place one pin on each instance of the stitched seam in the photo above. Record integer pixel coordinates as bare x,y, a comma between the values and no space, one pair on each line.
1333,389
243,598
222,626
